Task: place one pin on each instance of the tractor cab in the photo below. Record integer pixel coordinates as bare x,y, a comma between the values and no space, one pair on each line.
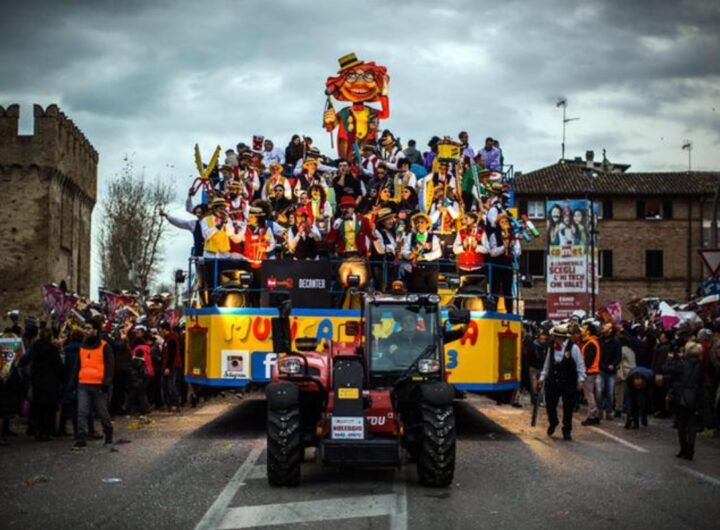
403,337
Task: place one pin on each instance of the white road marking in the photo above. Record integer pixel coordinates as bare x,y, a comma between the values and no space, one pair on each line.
398,519
310,511
258,471
701,476
214,515
620,440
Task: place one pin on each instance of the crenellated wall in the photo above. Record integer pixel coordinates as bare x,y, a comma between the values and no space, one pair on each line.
49,182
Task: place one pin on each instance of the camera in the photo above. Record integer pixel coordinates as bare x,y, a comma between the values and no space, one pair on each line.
235,363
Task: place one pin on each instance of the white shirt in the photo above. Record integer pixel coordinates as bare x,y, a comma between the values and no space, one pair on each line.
185,224
493,212
433,254
270,184
435,211
483,247
297,170
405,179
558,357
380,246
392,158
498,249
295,237
368,165
274,156
250,180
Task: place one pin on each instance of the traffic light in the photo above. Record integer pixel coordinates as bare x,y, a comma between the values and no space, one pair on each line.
180,276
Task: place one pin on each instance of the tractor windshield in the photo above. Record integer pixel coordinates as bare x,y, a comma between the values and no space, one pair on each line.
399,333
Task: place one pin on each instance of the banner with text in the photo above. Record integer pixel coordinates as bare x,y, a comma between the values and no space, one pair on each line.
568,258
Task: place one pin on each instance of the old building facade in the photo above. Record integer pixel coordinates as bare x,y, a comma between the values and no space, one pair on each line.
49,181
650,227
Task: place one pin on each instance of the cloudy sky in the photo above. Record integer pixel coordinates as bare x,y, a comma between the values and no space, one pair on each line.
150,79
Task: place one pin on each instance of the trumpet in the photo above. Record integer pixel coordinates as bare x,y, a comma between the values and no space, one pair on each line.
417,252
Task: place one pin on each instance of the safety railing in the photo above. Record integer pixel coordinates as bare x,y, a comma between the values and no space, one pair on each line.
209,278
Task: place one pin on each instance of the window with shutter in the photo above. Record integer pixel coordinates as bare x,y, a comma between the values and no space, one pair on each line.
536,209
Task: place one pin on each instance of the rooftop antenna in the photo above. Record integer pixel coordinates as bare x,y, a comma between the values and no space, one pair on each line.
687,146
562,102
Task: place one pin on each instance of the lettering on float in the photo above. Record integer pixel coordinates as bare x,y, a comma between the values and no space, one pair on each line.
261,329
471,334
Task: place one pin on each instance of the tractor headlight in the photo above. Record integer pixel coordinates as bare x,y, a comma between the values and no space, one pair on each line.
412,298
428,366
289,366
433,299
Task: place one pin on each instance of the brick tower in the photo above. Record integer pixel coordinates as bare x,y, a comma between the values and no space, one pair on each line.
49,187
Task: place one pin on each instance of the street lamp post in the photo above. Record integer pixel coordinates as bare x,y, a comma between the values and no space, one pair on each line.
589,196
562,102
687,146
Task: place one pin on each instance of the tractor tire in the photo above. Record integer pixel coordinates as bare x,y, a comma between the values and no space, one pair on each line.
436,446
284,447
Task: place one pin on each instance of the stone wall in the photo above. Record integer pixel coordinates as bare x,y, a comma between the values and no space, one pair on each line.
49,182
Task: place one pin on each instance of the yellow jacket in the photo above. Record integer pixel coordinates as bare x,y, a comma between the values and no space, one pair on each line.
216,241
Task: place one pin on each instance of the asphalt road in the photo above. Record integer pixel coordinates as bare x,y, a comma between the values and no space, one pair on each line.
206,469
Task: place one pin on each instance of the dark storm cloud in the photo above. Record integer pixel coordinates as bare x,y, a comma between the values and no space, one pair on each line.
153,78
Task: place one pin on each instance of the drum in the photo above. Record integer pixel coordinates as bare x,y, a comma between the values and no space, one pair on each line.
473,303
232,299
448,151
353,266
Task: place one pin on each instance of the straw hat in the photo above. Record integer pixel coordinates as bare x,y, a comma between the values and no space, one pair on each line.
560,330
217,201
384,213
348,61
420,215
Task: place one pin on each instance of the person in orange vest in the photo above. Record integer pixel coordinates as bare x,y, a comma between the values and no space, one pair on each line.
590,349
95,382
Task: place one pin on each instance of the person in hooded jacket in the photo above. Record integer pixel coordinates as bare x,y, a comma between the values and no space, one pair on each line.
71,369
46,373
95,381
685,373
172,366
714,360
610,359
660,354
137,385
122,371
10,388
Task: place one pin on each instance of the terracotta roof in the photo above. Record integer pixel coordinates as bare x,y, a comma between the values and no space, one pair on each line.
572,179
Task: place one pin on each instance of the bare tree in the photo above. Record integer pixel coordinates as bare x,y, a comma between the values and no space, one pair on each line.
131,229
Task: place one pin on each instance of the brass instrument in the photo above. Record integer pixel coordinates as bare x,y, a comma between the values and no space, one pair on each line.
459,171
282,216
417,252
323,224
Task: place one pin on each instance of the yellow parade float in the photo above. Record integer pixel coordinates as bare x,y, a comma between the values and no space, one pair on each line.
229,341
